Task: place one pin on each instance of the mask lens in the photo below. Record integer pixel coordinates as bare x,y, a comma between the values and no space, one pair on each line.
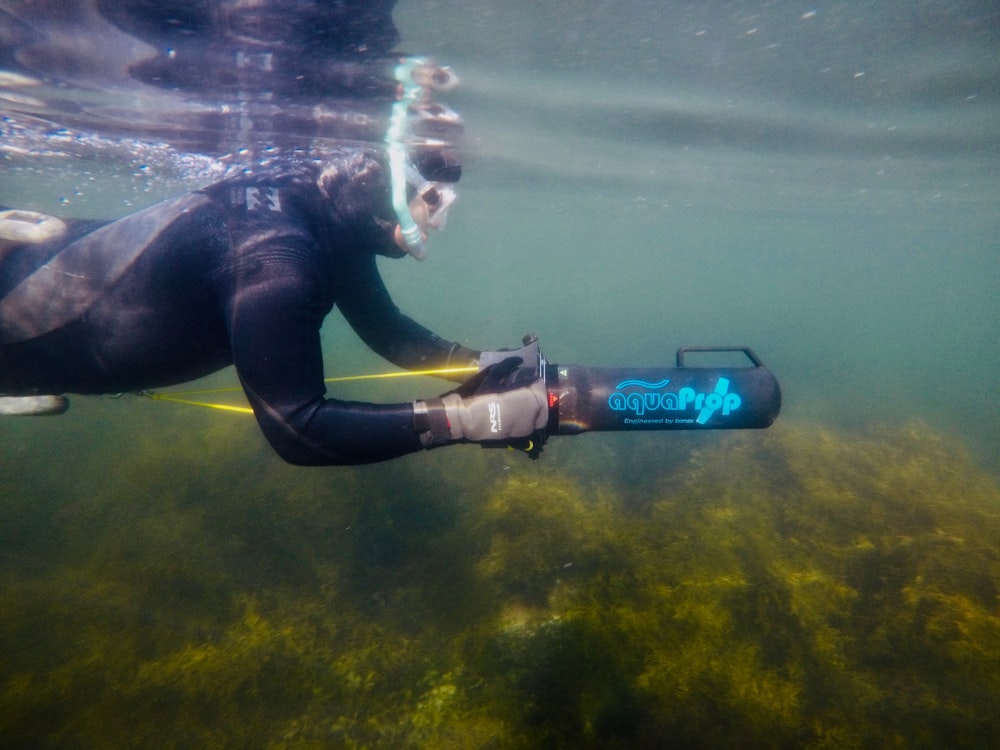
430,208
432,198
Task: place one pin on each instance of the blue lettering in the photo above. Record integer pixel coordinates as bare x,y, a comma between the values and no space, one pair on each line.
617,401
636,402
731,403
639,397
685,397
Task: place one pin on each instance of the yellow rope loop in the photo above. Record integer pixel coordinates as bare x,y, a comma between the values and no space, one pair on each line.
190,402
183,397
469,369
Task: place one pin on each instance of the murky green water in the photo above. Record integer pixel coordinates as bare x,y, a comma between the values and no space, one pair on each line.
821,186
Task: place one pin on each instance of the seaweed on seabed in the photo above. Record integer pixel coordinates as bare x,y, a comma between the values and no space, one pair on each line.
789,589
202,597
794,588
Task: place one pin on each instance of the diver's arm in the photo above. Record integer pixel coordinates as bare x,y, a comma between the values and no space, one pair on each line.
373,315
276,349
274,332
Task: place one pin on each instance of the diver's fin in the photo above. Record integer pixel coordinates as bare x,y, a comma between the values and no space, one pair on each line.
32,406
29,227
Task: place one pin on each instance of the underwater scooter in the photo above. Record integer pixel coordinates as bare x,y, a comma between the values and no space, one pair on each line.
602,399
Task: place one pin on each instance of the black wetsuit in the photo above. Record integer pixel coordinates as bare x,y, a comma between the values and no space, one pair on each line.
243,273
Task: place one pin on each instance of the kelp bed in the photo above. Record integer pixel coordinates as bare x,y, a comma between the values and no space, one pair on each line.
790,588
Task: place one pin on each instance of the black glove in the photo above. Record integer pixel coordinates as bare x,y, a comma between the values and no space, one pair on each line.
501,403
498,378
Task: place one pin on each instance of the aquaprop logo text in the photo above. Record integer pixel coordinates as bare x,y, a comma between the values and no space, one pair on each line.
641,402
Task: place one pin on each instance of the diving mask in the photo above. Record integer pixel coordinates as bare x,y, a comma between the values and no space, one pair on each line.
431,77
429,208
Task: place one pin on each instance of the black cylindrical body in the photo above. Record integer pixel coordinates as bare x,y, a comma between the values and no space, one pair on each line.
667,398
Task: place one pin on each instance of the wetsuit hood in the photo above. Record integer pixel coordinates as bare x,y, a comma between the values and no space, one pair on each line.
354,185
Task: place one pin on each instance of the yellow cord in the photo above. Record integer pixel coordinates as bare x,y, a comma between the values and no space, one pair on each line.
178,397
405,374
190,402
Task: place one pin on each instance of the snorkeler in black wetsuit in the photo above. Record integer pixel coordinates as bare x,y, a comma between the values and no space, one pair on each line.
244,272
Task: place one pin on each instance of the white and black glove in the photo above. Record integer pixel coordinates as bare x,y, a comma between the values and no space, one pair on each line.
501,404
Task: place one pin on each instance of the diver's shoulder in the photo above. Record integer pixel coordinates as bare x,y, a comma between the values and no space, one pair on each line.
274,170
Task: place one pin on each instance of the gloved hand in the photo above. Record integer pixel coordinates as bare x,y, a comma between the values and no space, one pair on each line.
501,402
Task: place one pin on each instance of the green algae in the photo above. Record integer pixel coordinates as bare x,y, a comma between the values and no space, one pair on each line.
794,588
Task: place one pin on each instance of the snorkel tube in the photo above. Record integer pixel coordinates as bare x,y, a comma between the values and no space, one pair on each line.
417,78
737,396
398,159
